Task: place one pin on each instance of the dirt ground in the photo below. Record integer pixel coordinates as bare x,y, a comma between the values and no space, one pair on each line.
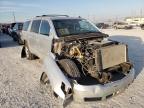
20,86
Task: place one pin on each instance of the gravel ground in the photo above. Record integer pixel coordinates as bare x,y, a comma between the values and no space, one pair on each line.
20,86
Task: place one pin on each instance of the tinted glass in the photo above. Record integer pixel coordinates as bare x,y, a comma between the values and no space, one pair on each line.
35,26
45,28
26,25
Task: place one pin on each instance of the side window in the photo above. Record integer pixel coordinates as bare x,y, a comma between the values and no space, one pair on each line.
45,28
26,25
35,26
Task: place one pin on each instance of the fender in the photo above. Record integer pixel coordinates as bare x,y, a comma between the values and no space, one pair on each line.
59,82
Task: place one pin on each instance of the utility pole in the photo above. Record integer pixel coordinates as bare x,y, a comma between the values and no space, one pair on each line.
141,13
14,17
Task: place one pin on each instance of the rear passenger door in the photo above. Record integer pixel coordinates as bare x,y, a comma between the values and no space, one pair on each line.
44,38
34,31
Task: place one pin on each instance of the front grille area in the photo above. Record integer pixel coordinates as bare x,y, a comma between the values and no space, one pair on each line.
90,99
110,56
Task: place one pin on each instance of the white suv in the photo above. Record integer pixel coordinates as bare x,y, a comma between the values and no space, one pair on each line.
79,60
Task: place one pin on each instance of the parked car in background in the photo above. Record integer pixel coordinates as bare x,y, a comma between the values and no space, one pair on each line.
122,25
0,28
15,33
5,28
102,25
142,26
10,29
79,60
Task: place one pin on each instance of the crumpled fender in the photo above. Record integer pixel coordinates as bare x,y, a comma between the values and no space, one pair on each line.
56,76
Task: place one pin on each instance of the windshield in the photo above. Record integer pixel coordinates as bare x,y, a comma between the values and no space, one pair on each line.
65,27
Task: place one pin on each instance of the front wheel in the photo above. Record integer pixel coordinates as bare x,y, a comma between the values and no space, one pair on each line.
69,68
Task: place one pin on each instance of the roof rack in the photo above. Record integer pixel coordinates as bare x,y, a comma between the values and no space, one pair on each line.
53,15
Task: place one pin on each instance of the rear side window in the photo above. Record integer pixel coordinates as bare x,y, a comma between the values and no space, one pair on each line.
26,25
35,26
45,28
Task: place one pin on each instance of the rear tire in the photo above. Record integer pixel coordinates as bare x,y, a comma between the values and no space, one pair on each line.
44,78
69,68
29,55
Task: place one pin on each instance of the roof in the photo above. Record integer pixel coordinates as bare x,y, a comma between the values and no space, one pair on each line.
54,17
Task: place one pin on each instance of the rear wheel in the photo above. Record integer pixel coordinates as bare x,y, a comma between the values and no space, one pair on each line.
29,55
70,68
44,78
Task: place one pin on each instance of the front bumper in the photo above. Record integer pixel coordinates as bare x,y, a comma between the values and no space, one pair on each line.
84,93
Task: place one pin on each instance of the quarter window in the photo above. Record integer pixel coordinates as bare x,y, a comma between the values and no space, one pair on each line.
35,26
45,28
26,25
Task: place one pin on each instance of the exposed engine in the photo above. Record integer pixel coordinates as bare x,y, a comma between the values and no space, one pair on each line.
97,58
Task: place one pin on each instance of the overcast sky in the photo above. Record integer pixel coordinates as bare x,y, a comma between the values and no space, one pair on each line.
98,9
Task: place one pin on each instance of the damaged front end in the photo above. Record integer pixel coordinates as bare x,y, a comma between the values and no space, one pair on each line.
95,57
88,68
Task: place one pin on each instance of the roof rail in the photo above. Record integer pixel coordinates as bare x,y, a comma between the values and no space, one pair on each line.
53,15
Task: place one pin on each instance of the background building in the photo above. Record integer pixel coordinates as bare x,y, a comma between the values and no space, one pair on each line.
135,20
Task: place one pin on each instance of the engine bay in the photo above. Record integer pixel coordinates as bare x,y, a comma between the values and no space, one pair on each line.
97,58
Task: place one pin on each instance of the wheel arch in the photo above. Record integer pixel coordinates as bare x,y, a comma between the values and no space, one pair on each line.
23,53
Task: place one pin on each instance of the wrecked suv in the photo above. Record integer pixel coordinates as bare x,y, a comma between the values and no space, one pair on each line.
79,61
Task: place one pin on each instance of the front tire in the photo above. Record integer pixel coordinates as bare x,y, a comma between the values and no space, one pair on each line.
70,68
